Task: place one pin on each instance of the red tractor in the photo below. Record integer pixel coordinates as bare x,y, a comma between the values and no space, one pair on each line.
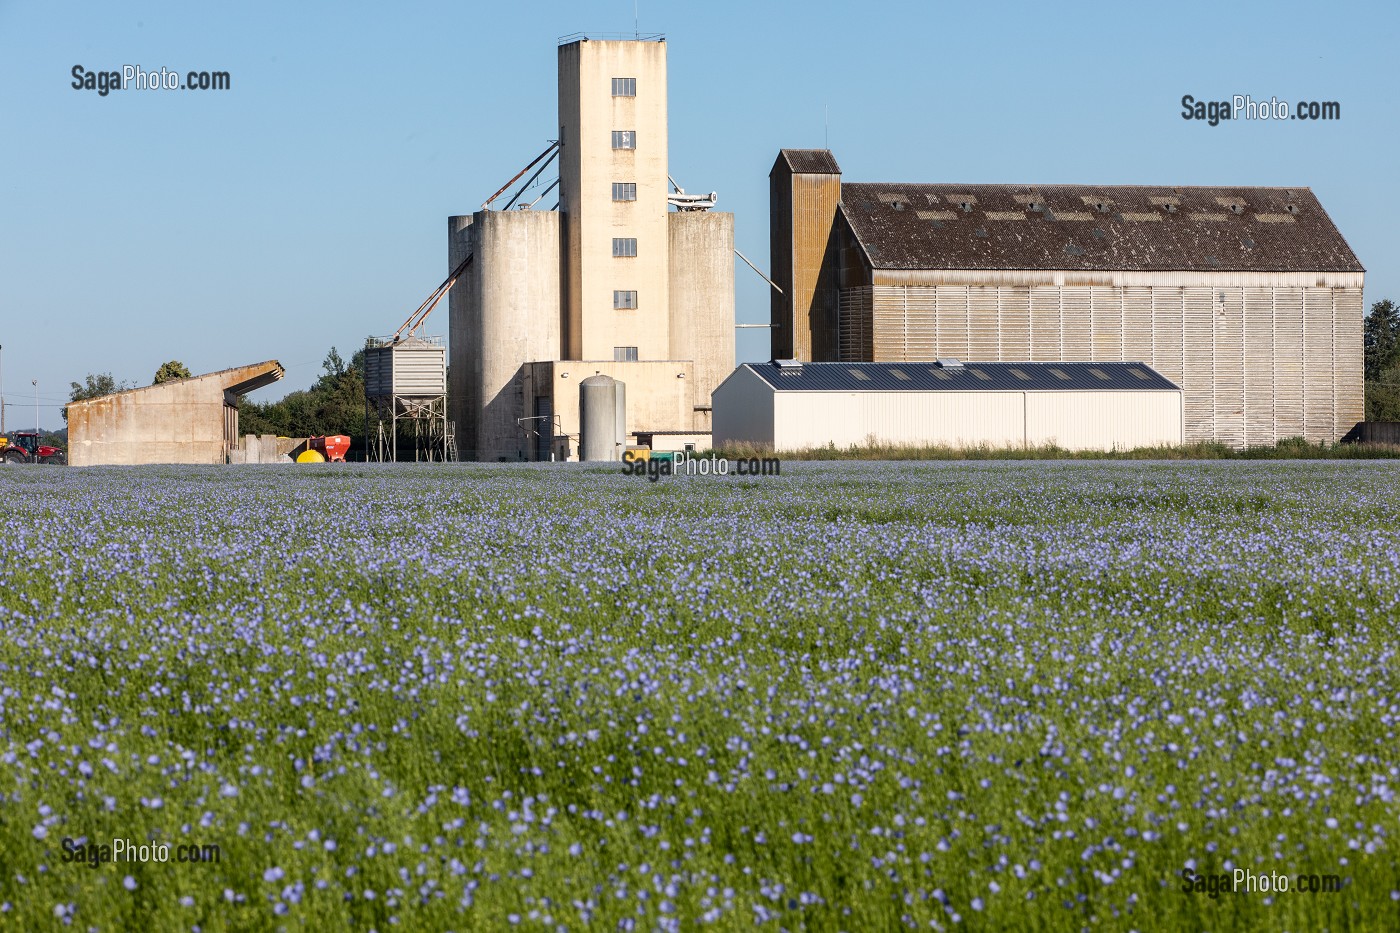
24,447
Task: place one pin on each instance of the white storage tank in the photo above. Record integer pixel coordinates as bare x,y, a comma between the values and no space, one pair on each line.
602,406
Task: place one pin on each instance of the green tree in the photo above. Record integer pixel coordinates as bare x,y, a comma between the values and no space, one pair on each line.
1379,337
335,404
170,371
1381,353
96,386
333,364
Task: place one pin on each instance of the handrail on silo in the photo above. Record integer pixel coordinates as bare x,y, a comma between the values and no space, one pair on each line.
612,37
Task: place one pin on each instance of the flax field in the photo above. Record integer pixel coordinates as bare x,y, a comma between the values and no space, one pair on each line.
855,696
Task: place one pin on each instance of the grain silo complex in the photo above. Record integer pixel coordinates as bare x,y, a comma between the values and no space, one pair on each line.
1247,298
626,276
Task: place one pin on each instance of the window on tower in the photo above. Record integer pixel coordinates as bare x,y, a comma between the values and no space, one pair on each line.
624,354
625,246
624,139
624,191
624,87
624,300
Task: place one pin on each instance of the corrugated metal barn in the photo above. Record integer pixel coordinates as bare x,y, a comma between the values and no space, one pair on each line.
1248,298
789,405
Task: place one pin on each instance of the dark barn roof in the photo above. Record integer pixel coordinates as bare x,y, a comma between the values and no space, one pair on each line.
1094,228
791,376
809,161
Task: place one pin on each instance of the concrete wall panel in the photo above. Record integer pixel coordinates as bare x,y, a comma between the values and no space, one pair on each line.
658,396
184,421
802,260
702,302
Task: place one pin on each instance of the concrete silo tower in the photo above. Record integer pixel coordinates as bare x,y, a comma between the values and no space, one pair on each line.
614,195
623,277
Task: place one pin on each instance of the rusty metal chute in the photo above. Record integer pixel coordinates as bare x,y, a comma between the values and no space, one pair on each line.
551,151
416,320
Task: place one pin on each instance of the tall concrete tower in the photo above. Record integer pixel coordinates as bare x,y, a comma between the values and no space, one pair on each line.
612,134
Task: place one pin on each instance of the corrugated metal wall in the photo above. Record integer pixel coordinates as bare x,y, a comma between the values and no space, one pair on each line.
743,410
954,419
802,257
379,371
1073,420
1258,363
1103,420
413,369
420,371
854,322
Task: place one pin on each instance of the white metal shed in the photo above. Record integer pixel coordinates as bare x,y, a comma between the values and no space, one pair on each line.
791,405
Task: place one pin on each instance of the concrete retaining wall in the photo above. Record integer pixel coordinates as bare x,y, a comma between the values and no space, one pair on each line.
183,421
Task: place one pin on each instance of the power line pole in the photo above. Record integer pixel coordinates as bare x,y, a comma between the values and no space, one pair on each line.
36,405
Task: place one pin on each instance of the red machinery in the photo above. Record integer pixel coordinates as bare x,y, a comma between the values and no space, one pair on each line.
24,447
333,447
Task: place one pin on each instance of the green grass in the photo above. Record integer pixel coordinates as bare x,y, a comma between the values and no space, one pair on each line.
1287,449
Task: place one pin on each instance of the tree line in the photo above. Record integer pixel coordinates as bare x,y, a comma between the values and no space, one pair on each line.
97,385
1381,352
335,404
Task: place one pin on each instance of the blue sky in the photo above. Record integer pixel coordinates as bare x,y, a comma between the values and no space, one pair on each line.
306,207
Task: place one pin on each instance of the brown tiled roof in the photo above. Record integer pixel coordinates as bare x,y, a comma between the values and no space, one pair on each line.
810,161
1094,228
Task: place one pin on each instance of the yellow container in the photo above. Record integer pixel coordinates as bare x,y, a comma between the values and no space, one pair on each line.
637,453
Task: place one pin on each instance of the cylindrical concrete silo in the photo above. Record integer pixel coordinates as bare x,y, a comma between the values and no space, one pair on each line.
598,416
504,312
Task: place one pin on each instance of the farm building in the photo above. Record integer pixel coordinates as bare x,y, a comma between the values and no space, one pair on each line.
791,405
182,421
1247,298
626,275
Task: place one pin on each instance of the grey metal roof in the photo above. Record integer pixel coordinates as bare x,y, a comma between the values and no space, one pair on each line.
810,161
788,376
1100,228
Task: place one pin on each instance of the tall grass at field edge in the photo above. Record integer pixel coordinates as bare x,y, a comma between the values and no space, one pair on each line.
1288,449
